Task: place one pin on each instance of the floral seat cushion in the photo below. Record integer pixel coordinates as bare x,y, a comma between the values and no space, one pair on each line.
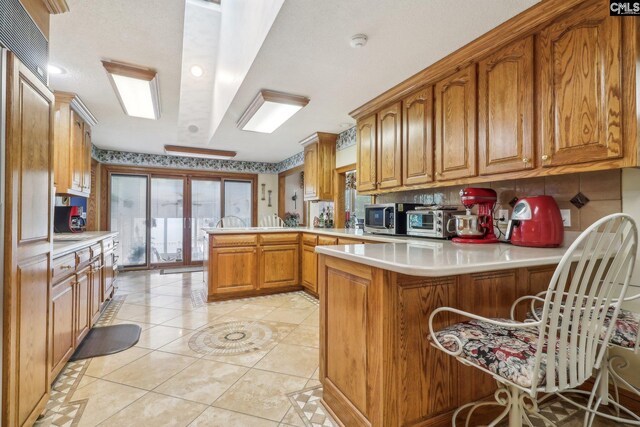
508,353
625,334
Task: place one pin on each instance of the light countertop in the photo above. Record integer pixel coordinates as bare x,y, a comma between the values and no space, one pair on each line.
431,258
68,242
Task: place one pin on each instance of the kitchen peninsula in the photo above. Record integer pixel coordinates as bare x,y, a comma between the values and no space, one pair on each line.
377,366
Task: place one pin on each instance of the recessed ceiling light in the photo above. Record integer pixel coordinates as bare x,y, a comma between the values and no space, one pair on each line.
196,71
136,89
204,153
54,69
269,110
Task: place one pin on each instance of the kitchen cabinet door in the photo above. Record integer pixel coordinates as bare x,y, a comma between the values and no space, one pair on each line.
579,72
86,165
233,269
366,165
326,165
82,305
456,125
279,266
62,325
417,138
390,146
27,245
311,169
309,268
77,152
505,109
95,291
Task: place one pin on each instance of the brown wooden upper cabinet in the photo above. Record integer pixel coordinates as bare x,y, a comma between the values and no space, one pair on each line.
456,125
389,164
319,165
579,62
417,141
367,154
72,145
505,109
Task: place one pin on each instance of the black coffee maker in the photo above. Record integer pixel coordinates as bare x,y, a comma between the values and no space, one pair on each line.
68,219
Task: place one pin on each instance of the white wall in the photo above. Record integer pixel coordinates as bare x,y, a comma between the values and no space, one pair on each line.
271,183
631,206
346,156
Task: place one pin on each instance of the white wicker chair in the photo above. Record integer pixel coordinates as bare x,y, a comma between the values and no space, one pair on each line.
231,222
550,355
626,336
271,221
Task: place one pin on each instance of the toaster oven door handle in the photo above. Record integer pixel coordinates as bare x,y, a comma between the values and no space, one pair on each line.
385,224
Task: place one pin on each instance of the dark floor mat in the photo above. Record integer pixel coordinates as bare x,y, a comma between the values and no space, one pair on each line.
107,340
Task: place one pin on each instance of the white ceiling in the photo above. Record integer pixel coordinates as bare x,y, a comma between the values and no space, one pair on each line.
306,53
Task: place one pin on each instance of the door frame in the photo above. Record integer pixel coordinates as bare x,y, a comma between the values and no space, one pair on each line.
186,174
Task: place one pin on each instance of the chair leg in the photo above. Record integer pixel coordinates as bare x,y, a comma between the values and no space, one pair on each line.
518,407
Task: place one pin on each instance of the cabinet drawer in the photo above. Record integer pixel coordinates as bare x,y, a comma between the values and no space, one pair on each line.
278,238
310,239
343,241
83,255
327,241
95,250
107,244
63,267
235,240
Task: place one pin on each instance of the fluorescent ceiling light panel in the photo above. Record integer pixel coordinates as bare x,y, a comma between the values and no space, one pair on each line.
136,89
269,110
204,153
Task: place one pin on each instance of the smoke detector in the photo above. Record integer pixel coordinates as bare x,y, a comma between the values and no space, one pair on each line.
359,40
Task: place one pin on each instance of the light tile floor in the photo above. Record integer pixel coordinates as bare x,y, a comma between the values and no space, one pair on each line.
190,367
232,363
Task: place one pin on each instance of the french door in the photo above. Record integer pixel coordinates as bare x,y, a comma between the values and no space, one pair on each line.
160,217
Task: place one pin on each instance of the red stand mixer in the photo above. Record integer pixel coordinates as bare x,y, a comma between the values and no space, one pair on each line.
478,228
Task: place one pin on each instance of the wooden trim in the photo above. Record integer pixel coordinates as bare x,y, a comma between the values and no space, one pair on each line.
129,70
56,6
316,136
39,12
523,24
281,188
77,105
271,96
199,150
347,168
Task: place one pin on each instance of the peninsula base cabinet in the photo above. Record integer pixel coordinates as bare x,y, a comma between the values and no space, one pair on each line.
376,363
250,264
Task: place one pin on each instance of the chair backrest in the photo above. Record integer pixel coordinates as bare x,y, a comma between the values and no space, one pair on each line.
271,221
231,222
583,301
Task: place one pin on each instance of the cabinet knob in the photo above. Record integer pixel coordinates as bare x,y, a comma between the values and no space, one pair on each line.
65,267
439,173
525,160
545,157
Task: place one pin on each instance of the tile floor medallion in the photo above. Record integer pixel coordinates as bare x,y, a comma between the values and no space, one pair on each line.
231,338
251,362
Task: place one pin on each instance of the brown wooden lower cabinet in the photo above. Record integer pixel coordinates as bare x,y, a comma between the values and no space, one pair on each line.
62,324
82,305
377,365
309,264
233,269
279,266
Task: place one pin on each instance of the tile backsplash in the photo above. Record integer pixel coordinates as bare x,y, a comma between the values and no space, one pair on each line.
603,189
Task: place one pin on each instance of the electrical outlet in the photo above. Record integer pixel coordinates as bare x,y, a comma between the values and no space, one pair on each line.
503,216
566,217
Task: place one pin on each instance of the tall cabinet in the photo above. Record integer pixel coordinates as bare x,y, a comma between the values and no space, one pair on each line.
72,141
319,163
27,245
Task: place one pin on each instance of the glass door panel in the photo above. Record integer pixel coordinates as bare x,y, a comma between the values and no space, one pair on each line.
205,212
128,216
237,200
167,220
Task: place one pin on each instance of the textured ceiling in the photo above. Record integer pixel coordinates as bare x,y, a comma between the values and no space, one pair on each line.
306,53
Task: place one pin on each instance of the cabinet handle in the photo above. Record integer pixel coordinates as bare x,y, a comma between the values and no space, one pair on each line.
545,157
65,267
